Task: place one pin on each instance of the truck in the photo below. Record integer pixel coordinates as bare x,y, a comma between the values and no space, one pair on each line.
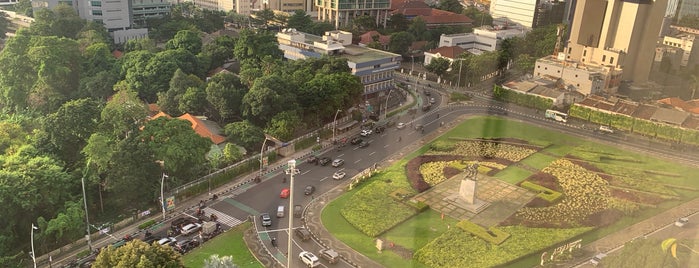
209,230
556,115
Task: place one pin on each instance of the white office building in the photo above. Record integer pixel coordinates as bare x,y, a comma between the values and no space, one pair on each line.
482,39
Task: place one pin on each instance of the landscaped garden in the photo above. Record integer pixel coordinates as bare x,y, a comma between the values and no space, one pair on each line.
578,190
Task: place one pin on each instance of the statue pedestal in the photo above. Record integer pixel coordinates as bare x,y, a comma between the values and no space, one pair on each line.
466,197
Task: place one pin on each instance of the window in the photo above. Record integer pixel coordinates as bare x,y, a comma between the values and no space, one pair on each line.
96,3
604,57
584,53
611,60
97,13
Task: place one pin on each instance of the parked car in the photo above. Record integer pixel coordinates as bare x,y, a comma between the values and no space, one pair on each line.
379,129
432,101
266,219
167,241
365,132
312,159
356,141
309,259
309,189
284,193
324,161
191,228
363,144
400,126
338,162
681,222
339,175
329,255
184,246
302,233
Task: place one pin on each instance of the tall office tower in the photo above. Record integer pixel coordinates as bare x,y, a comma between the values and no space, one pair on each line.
671,8
619,34
528,13
687,8
341,12
115,15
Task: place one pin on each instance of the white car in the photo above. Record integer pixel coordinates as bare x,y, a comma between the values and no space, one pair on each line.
365,132
681,222
339,175
309,259
167,241
400,125
597,259
191,228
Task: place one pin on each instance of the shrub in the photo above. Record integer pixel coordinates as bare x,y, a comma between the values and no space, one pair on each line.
493,235
543,192
442,146
146,224
419,206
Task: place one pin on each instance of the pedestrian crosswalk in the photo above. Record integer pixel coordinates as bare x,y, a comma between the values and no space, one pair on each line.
223,218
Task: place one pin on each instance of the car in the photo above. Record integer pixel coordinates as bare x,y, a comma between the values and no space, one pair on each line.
324,161
191,228
597,259
363,144
379,129
606,129
356,141
167,241
303,233
329,255
312,159
284,193
183,246
309,259
298,211
309,189
338,162
339,175
365,132
681,222
266,219
432,101
400,126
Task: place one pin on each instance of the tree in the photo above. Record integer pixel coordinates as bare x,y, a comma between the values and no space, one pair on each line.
170,101
4,22
263,17
283,125
12,136
401,42
61,21
245,134
214,261
232,153
123,114
300,20
479,18
364,23
133,180
225,93
146,44
418,28
68,129
256,45
398,22
187,40
525,63
438,66
137,253
68,225
319,28
220,50
453,6
193,101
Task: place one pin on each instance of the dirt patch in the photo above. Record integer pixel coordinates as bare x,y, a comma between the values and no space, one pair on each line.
546,180
636,197
603,218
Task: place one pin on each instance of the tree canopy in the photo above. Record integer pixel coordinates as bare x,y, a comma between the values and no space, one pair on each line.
137,253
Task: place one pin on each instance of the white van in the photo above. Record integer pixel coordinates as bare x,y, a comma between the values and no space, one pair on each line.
606,129
280,211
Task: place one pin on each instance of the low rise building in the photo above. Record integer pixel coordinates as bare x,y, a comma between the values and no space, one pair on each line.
375,68
586,79
482,39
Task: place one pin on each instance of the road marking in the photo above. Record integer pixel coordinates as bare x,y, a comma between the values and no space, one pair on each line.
340,155
323,178
357,161
222,217
241,206
372,153
305,172
385,146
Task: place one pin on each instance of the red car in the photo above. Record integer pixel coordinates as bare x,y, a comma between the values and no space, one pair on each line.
284,193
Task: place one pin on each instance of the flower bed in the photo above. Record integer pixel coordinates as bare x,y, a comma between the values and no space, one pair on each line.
458,248
412,169
489,149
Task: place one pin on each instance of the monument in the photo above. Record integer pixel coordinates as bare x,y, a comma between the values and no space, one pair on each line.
466,197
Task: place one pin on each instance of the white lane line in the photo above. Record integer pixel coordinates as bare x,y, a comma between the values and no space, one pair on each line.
305,172
357,161
372,153
323,178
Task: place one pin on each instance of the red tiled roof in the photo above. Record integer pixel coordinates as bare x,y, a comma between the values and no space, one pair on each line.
688,106
201,129
451,52
160,114
431,16
418,45
368,38
691,123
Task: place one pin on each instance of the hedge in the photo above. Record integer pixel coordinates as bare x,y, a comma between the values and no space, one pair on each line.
146,224
527,100
493,235
543,192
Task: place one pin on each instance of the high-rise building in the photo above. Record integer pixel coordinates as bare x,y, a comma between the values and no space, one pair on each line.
671,8
528,13
341,12
618,34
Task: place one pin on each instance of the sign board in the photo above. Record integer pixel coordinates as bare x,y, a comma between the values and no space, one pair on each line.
170,201
265,161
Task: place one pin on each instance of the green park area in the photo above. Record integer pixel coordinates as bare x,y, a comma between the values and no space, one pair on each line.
230,243
545,189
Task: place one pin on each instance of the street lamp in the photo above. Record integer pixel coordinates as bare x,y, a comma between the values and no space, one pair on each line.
87,218
32,237
162,193
412,65
386,106
334,124
291,171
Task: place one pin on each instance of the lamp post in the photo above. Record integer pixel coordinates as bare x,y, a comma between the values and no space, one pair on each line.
386,106
32,238
412,65
162,193
291,171
259,175
461,64
87,218
334,124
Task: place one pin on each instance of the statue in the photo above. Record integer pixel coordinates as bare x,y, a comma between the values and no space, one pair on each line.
471,171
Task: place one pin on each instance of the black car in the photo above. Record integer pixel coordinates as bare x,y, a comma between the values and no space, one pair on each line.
356,141
312,159
363,144
309,189
379,129
324,161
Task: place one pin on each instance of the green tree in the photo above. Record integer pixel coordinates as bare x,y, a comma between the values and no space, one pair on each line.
133,179
123,114
187,40
61,21
69,224
245,134
479,18
401,42
418,27
225,93
12,136
319,28
146,44
300,20
169,102
193,101
220,50
263,17
453,6
398,22
525,63
438,66
232,153
283,125
137,253
256,45
364,23
68,129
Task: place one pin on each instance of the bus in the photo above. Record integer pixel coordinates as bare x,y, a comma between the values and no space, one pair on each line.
556,115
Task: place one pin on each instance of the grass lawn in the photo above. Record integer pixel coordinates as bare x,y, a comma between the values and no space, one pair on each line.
513,174
538,160
228,244
416,232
